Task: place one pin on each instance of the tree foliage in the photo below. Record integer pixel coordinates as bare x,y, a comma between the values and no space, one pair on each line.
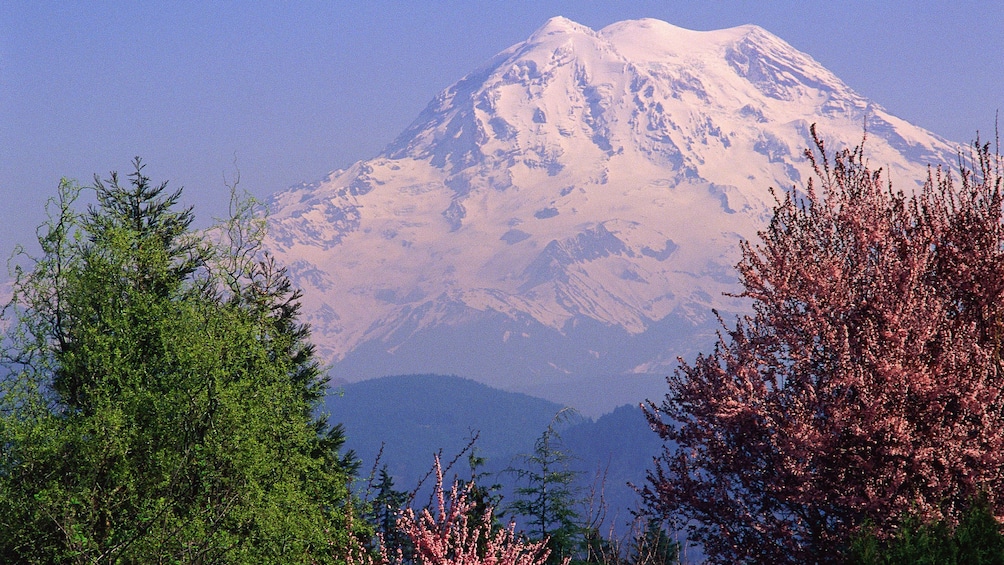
647,543
160,392
384,511
867,382
975,540
546,495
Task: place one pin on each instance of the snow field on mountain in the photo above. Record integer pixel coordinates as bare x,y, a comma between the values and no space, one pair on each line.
603,176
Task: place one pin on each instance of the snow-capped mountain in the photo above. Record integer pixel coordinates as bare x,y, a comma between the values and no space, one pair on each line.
570,212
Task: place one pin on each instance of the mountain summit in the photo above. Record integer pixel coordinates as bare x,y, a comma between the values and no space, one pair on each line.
568,215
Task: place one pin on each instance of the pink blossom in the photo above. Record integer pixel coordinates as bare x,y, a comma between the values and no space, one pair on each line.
452,535
867,382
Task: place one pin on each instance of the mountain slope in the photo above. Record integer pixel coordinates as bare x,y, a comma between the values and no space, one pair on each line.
571,211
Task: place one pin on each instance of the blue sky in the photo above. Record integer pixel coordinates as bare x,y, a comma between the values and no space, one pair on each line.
292,90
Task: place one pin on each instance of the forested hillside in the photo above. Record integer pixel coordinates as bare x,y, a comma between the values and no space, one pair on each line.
415,416
420,415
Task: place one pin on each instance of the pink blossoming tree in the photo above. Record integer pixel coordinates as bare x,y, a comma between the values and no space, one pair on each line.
866,384
455,534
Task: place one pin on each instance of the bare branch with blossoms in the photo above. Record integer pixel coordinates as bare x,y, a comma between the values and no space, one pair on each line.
450,538
449,535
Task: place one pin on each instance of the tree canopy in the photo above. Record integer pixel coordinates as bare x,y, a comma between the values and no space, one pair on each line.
866,384
160,395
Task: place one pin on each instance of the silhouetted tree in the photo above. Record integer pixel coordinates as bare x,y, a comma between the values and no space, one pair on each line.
653,546
384,512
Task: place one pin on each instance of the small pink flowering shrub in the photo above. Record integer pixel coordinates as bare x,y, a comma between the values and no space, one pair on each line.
452,535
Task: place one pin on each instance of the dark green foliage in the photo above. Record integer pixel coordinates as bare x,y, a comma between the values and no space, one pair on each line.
599,549
976,540
420,414
384,510
159,400
653,546
647,544
546,497
483,495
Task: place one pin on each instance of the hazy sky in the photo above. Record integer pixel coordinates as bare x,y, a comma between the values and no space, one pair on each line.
292,90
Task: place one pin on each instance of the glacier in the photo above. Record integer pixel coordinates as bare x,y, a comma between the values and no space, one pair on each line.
564,220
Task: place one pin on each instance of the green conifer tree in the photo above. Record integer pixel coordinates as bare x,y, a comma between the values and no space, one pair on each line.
547,497
384,512
160,395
